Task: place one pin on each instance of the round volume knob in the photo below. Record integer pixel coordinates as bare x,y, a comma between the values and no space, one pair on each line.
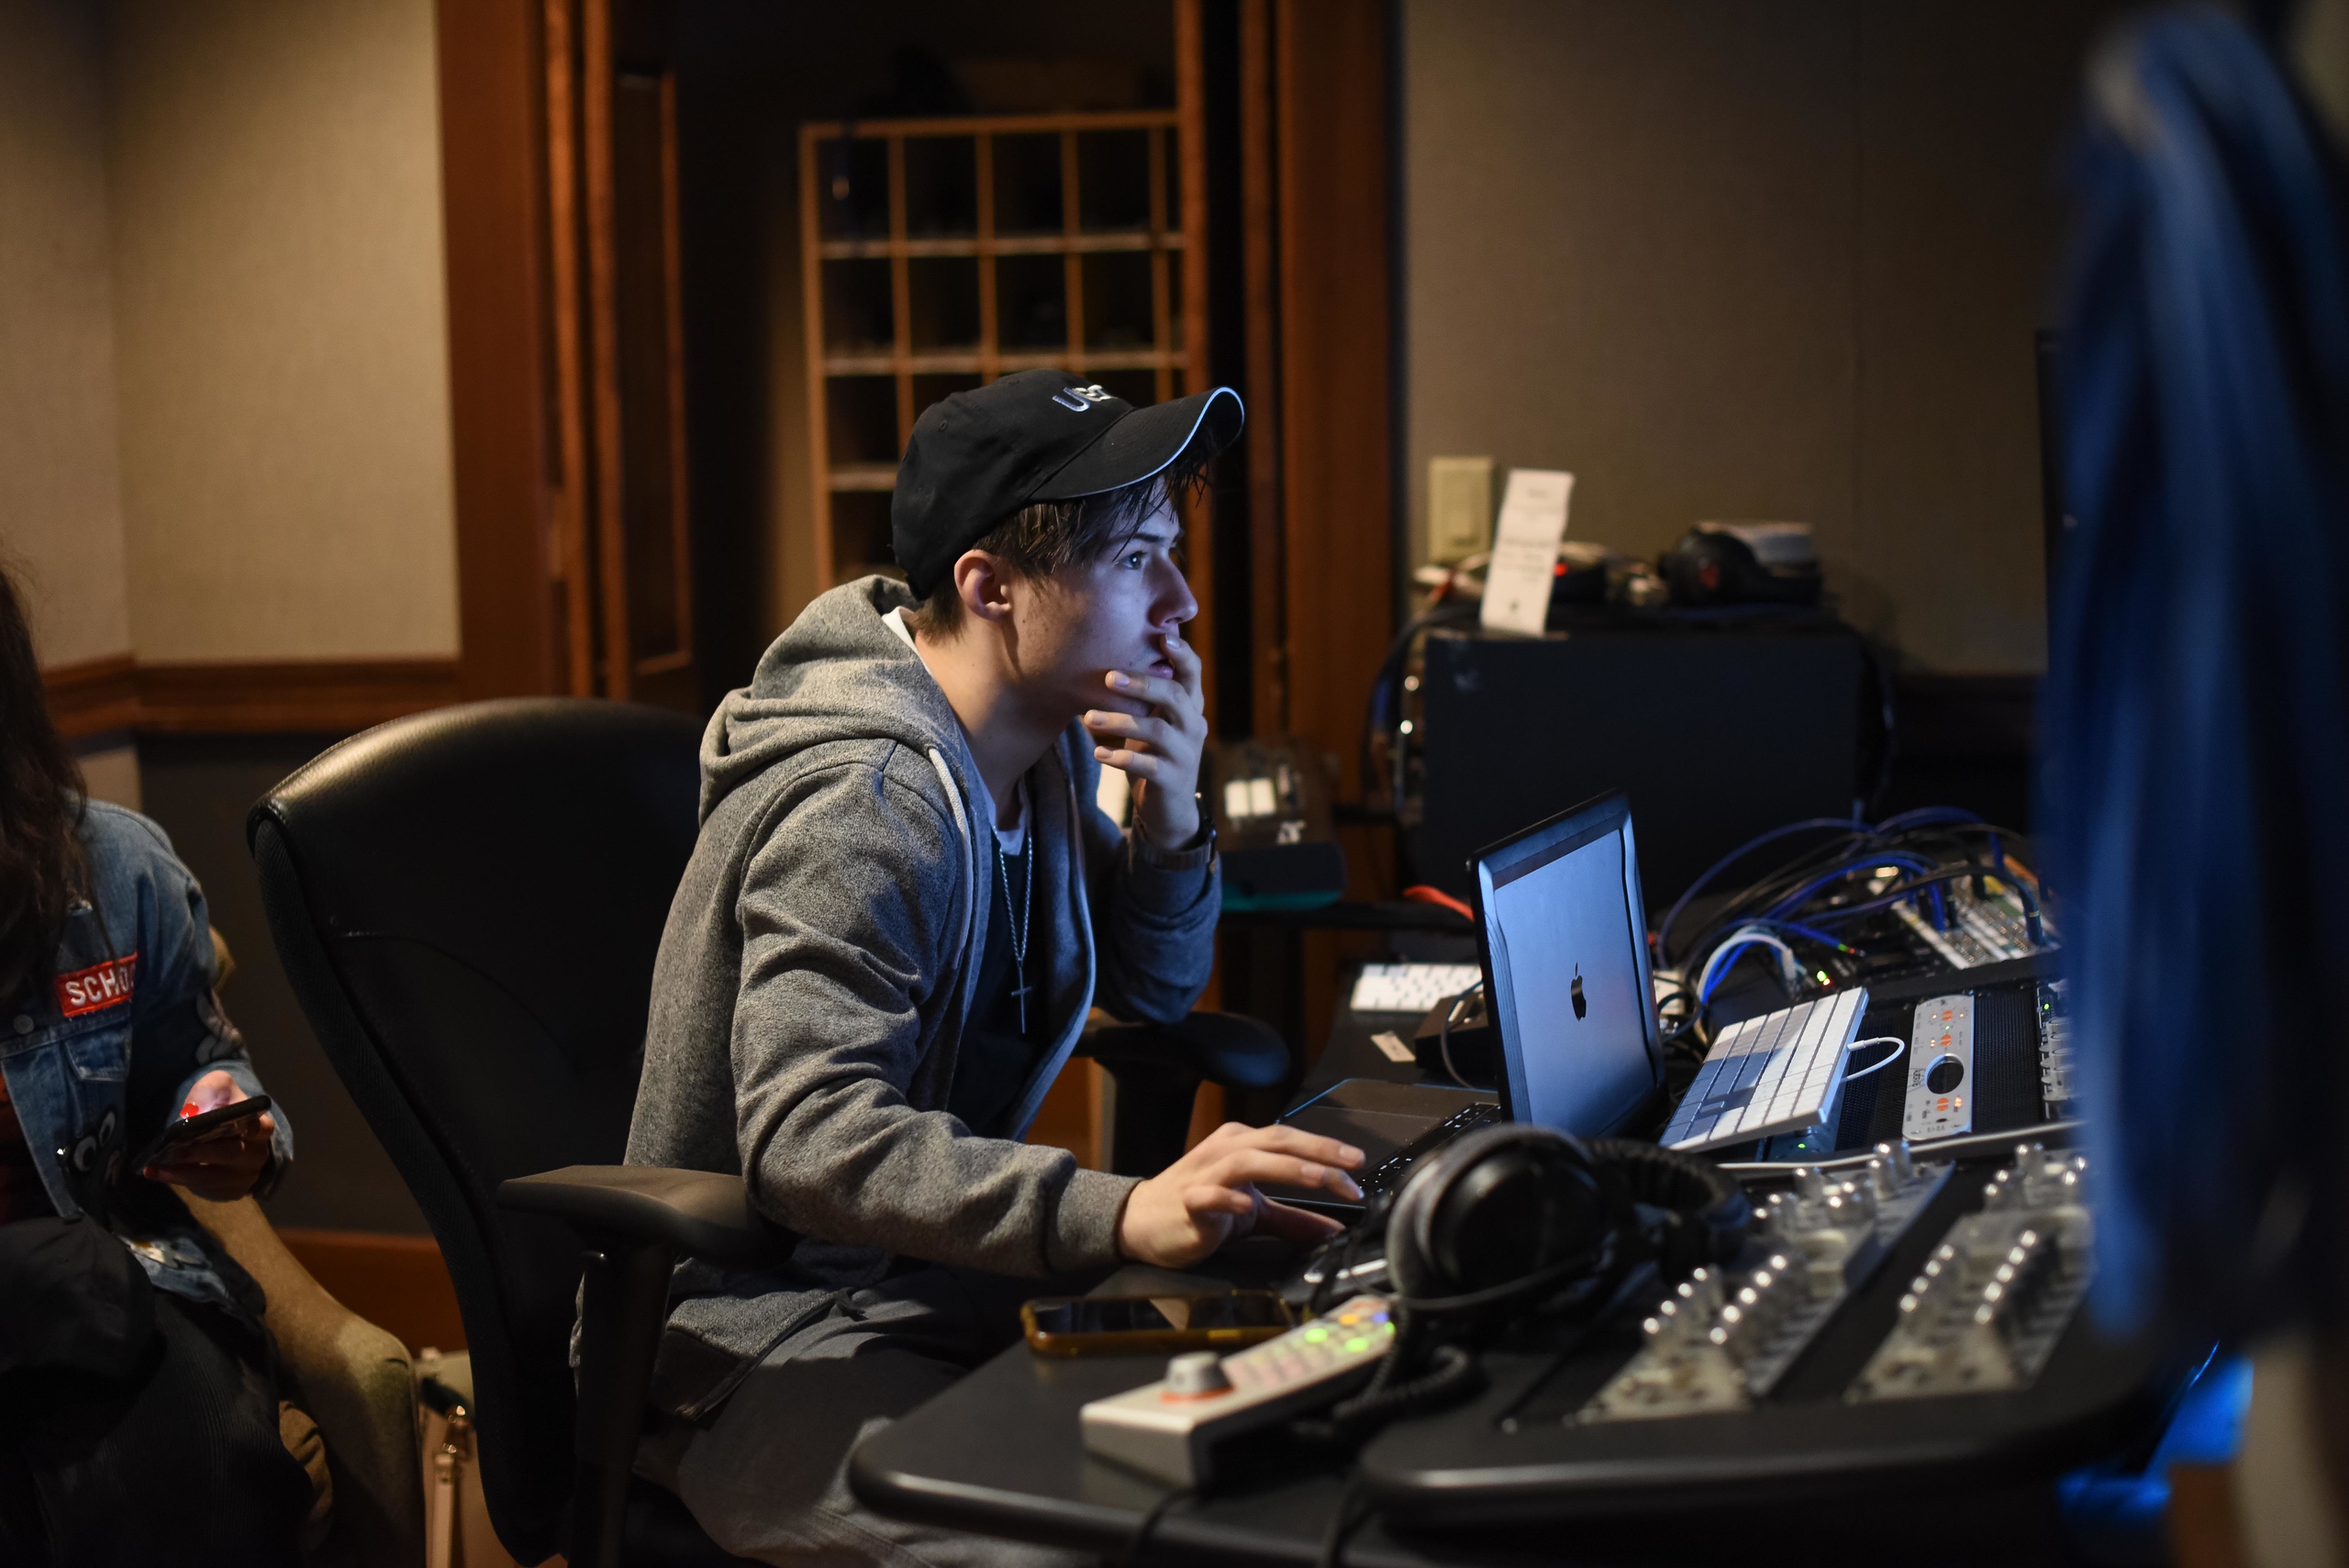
1196,1375
1945,1074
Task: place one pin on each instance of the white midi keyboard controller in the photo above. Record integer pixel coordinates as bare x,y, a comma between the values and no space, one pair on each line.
1780,1073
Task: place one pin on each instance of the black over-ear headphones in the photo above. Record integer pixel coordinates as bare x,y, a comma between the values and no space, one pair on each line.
1515,1215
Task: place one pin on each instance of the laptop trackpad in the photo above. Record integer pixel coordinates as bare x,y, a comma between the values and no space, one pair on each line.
1377,1133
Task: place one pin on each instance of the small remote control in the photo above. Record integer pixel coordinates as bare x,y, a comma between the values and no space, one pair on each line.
1167,1428
1941,1070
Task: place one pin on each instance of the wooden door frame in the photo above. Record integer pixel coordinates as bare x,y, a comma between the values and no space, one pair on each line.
493,200
1315,360
531,202
1337,512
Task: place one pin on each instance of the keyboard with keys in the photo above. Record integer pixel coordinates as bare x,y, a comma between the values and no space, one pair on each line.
1409,988
1780,1073
1390,1173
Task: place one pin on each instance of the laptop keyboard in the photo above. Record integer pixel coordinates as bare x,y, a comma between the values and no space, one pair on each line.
1391,1173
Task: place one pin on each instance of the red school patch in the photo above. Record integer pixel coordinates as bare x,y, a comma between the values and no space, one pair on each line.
101,986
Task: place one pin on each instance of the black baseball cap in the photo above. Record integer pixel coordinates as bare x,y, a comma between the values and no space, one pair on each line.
977,457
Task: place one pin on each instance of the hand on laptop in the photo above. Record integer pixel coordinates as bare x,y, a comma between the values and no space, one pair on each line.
1209,1195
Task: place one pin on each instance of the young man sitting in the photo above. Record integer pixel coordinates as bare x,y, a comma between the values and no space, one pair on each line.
901,906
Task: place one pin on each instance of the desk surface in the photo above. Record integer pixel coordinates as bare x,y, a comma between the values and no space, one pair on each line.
999,1454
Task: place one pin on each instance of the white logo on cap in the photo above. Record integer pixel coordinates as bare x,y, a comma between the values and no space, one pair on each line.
1077,399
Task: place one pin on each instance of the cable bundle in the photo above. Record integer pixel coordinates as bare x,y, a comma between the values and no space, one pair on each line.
1846,871
2196,706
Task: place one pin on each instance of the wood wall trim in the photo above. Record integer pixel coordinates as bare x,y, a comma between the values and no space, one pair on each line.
244,697
91,696
1268,626
609,524
569,492
1333,350
1190,153
494,210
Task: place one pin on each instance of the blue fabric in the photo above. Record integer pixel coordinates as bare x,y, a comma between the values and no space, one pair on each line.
98,1053
2117,1515
2120,1515
2196,712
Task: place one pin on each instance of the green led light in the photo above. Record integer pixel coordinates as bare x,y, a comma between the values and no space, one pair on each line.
1315,1335
1357,1344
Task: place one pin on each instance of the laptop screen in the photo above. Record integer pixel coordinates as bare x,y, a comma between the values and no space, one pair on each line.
1562,934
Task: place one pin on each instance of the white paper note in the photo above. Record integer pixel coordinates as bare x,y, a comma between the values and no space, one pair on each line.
1525,550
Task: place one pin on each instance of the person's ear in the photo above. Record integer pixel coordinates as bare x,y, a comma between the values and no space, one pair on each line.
984,584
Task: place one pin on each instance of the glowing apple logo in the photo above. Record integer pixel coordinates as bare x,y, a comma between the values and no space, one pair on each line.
1582,1009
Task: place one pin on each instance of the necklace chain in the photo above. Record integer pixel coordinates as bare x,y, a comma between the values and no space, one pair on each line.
1019,933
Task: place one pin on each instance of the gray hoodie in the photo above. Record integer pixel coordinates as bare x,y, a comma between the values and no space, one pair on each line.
817,970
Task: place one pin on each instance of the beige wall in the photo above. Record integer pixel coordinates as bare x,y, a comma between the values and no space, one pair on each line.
1726,260
274,171
111,772
60,492
224,408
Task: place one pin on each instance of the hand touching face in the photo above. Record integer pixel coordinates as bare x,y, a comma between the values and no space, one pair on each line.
1160,747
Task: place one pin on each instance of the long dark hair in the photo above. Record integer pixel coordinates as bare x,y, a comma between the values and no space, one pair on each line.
41,803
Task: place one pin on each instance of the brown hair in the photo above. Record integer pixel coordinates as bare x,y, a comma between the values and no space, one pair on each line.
42,804
1041,539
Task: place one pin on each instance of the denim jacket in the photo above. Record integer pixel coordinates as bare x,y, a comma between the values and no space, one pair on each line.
99,1053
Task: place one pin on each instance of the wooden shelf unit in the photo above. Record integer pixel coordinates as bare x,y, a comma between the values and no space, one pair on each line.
938,255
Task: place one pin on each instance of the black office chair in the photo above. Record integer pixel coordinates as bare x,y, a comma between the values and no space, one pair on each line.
468,904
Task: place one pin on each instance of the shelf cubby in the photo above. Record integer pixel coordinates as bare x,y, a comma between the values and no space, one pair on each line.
942,295
861,420
939,254
860,316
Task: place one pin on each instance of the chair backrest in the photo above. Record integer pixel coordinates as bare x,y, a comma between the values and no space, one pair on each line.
468,904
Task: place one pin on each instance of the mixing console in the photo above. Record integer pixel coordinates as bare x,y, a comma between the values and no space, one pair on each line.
1724,1338
1997,1294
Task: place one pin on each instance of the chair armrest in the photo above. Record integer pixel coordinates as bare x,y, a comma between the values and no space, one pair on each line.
635,1223
1229,1049
697,1214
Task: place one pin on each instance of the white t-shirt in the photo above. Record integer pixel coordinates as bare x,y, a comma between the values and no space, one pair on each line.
1013,838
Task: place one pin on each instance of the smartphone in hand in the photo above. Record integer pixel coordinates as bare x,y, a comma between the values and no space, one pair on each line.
181,1129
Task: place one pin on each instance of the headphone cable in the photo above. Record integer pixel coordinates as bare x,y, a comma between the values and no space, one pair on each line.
1454,1372
1349,1516
1137,1543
